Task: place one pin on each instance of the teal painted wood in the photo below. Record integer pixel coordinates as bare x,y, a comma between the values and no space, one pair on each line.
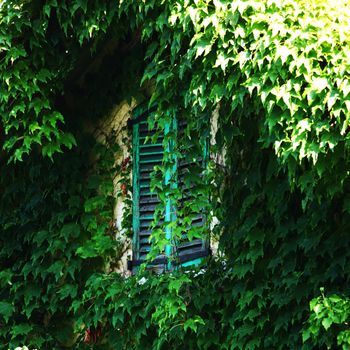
168,206
146,156
194,262
136,192
150,145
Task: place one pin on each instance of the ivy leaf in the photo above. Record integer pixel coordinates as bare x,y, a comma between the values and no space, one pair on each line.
68,140
49,149
70,231
21,329
6,310
68,290
192,323
326,323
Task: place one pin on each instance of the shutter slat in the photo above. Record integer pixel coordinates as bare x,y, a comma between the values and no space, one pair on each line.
153,153
145,185
147,192
151,161
150,145
148,208
193,245
144,200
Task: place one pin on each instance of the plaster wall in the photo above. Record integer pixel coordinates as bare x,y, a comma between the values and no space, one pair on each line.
115,124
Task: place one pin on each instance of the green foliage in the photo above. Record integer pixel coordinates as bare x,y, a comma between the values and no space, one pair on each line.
329,321
277,74
56,231
158,313
41,44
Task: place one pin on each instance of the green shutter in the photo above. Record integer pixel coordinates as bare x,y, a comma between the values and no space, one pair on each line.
145,157
186,248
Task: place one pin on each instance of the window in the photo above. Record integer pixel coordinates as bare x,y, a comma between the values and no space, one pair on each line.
146,156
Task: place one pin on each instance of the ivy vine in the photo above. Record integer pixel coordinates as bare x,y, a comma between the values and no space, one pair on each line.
277,72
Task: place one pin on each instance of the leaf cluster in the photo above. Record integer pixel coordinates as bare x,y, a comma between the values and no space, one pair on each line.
56,231
329,320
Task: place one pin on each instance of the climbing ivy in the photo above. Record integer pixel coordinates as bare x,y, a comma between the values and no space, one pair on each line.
276,74
57,230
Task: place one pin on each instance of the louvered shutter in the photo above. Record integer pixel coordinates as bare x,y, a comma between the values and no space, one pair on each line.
146,156
188,251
